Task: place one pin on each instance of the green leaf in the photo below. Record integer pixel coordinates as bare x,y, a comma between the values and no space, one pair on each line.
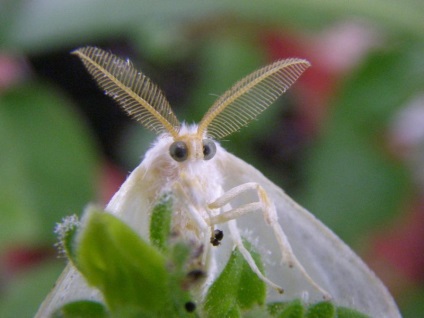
42,178
160,223
412,302
343,312
179,288
128,271
350,171
25,293
82,309
294,309
177,254
237,288
257,312
323,309
51,23
67,232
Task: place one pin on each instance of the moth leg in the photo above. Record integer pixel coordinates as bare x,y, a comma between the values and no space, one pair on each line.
235,233
270,215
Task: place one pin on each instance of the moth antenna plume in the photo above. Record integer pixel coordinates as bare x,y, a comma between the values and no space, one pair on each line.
250,96
135,92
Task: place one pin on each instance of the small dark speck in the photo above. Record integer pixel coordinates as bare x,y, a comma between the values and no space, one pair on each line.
190,306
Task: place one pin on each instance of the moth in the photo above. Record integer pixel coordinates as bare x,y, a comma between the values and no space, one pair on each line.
218,199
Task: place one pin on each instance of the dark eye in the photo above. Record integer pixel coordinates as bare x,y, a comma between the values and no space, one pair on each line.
209,149
178,150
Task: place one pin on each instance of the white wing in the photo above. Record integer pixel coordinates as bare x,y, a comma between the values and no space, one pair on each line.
69,286
131,204
328,260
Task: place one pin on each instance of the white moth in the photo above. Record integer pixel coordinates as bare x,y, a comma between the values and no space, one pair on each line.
216,193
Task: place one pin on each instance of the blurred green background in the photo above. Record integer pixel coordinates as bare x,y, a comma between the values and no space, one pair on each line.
347,141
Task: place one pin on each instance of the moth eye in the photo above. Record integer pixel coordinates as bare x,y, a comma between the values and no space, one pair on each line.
190,306
179,151
209,149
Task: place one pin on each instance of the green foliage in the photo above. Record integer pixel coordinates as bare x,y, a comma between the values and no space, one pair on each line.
160,223
137,279
295,309
237,288
42,178
321,310
349,173
53,23
29,290
134,277
108,255
82,309
66,232
343,312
